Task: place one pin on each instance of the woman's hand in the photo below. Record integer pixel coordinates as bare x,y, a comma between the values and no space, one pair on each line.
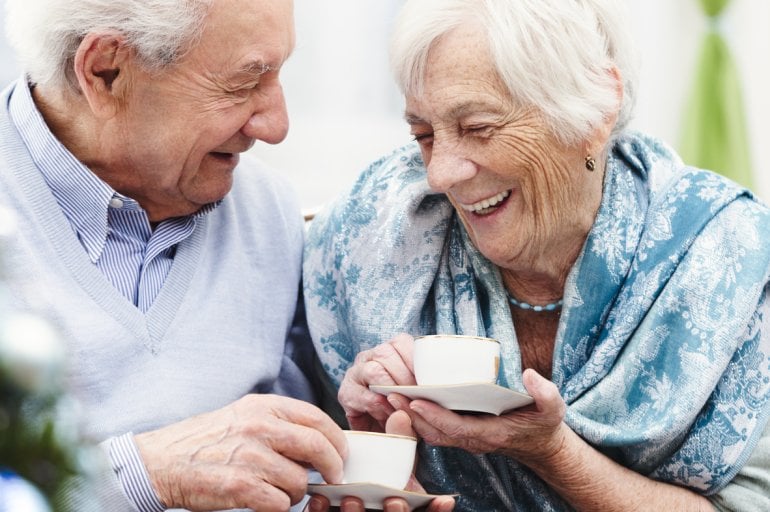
399,424
386,364
530,434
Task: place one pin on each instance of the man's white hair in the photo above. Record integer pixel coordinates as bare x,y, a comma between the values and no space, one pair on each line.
46,33
553,55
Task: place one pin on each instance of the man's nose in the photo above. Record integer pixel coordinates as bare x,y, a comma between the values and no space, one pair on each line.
270,121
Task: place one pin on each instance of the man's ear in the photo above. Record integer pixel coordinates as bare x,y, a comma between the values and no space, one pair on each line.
101,66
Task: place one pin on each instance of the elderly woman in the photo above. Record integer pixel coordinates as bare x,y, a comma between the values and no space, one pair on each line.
628,291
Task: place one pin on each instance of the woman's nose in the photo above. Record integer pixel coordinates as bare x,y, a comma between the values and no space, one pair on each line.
447,167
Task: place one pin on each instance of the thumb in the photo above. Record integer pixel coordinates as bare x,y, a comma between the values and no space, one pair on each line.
545,393
400,424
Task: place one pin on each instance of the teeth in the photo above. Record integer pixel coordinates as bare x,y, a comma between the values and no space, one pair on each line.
486,203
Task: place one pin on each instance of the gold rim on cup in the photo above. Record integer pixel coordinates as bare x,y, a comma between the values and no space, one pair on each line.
383,434
458,336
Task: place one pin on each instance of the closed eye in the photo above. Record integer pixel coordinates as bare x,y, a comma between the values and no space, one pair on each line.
423,139
477,130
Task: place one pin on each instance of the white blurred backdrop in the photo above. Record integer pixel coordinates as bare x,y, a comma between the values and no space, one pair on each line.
345,110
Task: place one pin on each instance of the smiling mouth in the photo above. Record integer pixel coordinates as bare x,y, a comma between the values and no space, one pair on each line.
487,206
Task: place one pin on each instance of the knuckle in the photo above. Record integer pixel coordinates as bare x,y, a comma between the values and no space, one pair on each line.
290,479
266,497
316,442
298,485
375,372
384,350
236,488
432,438
362,357
402,337
455,431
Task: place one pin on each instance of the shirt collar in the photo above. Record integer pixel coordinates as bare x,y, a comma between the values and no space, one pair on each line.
84,198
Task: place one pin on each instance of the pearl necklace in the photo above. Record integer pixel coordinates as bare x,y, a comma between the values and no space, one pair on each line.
553,306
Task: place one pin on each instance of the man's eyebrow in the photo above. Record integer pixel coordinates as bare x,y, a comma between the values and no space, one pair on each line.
255,68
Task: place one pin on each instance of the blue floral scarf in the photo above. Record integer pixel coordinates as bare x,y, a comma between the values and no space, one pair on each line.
662,352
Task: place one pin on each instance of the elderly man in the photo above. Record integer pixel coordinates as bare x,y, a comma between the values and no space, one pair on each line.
118,149
176,297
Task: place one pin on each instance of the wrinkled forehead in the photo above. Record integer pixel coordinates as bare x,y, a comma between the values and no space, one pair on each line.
459,61
256,34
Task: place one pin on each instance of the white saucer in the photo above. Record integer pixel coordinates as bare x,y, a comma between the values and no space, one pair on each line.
479,397
372,494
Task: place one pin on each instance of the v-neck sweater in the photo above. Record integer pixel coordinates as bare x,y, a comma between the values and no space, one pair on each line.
219,328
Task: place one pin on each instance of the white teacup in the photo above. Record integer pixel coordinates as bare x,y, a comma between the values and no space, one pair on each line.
383,459
443,359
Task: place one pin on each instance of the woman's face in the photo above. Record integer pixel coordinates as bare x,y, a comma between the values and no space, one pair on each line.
520,194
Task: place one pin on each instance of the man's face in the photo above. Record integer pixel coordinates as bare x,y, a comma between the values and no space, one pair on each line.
175,144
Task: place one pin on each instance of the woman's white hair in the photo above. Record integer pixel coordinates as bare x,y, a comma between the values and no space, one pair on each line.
46,33
553,55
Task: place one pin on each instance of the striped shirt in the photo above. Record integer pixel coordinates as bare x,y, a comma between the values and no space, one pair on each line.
113,229
117,235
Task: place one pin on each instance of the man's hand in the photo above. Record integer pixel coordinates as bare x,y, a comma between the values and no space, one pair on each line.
252,454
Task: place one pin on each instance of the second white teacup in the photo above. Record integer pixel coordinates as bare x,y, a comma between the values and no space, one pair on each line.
443,359
384,459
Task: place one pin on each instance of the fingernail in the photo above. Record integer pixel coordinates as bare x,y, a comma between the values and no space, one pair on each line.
315,505
394,402
352,506
396,505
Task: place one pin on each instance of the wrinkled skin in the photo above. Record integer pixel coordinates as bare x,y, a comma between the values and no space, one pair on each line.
529,433
252,453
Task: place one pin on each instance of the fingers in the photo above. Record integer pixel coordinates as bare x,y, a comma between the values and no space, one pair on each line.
216,487
364,409
365,422
299,443
438,504
245,455
317,503
352,504
395,505
275,480
387,364
526,434
306,434
441,504
302,413
400,360
301,432
436,425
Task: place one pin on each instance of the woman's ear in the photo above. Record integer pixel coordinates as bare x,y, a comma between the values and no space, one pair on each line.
603,131
101,65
